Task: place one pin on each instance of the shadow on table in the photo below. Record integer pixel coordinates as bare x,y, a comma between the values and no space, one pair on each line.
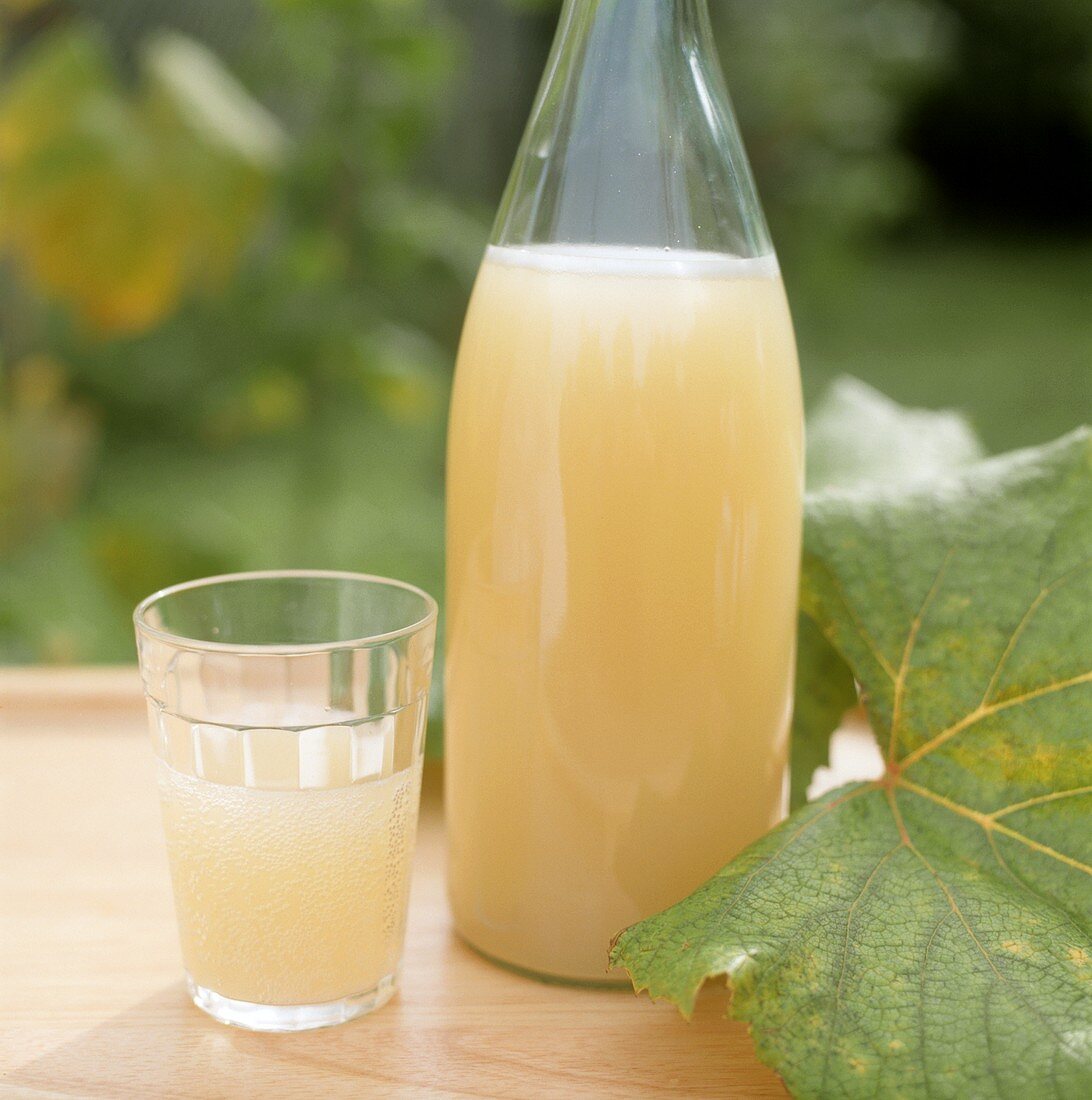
160,1047
163,1047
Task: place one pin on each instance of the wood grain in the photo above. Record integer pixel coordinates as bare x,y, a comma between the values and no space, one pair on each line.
91,1001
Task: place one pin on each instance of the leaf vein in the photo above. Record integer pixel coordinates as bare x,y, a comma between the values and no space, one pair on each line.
858,623
981,712
987,822
908,650
723,914
845,956
1044,592
1053,796
922,999
829,808
950,895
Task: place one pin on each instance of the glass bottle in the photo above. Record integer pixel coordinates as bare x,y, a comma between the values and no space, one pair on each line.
625,474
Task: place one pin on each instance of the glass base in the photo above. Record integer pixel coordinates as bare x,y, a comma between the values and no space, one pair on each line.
259,1017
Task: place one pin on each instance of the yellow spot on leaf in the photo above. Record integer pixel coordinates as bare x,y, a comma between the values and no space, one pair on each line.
1078,956
1043,763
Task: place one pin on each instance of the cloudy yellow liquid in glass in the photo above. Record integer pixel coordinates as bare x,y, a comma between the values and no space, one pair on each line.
625,476
290,897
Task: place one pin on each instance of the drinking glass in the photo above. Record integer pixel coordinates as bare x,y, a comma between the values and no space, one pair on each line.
288,712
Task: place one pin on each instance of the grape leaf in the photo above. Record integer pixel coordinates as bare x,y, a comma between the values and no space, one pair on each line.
928,934
859,436
856,435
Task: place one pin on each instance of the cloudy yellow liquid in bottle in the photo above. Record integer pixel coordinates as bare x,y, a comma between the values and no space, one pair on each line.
625,477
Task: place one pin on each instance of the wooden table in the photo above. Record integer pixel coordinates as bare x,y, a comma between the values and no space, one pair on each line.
91,998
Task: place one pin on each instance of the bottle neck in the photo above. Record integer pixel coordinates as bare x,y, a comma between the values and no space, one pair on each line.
663,19
632,140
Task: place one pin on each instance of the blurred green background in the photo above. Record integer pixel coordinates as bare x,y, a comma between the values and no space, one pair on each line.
237,239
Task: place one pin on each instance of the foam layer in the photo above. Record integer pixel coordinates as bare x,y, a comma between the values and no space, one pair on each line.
595,259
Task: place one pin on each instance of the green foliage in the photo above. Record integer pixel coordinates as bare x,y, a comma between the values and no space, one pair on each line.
46,442
290,414
1000,330
928,934
118,203
821,92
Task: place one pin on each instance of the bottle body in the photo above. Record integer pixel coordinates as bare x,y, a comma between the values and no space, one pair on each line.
624,507
625,472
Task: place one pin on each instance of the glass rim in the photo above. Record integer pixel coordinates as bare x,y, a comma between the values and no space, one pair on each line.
286,649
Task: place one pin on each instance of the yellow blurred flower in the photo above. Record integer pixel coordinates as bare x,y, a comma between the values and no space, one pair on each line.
119,202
